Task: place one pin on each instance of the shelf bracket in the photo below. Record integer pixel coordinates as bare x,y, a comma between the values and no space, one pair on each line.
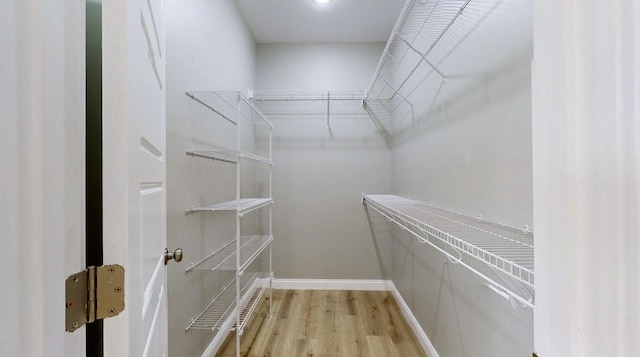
377,122
399,94
424,58
197,99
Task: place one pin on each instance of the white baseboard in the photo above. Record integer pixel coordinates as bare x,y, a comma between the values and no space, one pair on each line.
413,322
331,284
336,284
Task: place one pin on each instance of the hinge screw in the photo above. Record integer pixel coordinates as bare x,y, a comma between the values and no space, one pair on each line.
112,311
75,324
118,289
111,269
69,304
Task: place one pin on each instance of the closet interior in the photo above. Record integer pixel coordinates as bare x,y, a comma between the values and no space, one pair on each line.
411,167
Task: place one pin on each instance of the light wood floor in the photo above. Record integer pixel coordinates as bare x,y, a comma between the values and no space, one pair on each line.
327,323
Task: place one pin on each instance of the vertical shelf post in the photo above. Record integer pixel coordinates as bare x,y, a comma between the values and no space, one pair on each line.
270,222
238,181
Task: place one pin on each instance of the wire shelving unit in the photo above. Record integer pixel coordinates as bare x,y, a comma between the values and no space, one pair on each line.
504,249
232,307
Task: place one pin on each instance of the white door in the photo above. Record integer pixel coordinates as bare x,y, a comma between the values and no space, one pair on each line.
134,172
42,115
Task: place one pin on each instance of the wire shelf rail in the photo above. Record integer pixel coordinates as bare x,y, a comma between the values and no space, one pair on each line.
417,33
324,105
424,51
221,310
302,95
225,104
224,258
230,156
242,206
503,248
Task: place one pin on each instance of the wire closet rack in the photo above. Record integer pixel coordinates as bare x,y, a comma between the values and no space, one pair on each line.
431,42
219,313
424,52
506,250
233,305
320,105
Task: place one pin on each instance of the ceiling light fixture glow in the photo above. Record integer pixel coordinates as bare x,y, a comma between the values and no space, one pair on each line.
322,1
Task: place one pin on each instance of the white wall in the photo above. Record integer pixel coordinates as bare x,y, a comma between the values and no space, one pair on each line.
473,153
209,48
586,170
470,149
475,157
319,174
316,66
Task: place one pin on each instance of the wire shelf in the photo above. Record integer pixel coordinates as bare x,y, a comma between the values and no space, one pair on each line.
436,49
503,248
242,206
249,308
301,95
224,258
221,103
321,105
408,60
222,308
416,34
231,156
227,104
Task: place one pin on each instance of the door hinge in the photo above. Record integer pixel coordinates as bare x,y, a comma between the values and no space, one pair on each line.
93,294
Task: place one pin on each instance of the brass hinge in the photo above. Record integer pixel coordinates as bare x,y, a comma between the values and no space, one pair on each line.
93,294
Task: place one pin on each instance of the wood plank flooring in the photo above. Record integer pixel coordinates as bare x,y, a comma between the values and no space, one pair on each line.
323,323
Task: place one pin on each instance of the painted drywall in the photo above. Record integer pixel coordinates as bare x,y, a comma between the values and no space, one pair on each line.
474,152
208,48
316,66
586,175
468,148
211,49
319,174
476,159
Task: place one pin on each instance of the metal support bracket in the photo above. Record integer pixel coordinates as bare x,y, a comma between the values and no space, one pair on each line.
403,37
93,294
397,91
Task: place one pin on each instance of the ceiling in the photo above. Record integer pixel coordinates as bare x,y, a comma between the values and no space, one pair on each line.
296,21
